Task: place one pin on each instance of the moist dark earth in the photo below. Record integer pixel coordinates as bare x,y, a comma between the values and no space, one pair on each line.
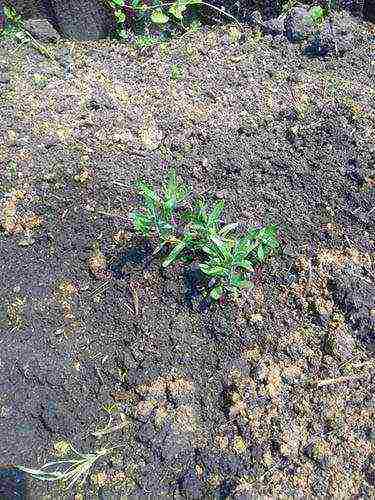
270,395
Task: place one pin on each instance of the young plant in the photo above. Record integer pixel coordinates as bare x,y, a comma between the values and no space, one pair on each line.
203,225
167,17
229,258
157,217
10,22
177,72
319,15
230,261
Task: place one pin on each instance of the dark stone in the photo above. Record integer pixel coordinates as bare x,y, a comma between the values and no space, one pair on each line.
4,78
369,10
355,299
298,26
12,484
191,485
369,473
42,30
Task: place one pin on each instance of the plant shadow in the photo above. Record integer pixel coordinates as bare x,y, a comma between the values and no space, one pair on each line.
137,257
195,286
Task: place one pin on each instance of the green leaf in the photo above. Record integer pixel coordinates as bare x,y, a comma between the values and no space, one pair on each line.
171,189
158,17
174,253
174,190
246,264
212,251
251,234
147,191
141,223
240,282
120,3
214,216
222,247
316,13
123,33
216,292
228,228
120,16
177,10
268,232
274,244
213,271
135,3
243,248
261,253
188,216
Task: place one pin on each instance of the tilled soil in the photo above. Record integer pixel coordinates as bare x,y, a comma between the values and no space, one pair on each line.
272,395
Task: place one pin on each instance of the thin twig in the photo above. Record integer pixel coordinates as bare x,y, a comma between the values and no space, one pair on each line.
102,212
338,380
135,296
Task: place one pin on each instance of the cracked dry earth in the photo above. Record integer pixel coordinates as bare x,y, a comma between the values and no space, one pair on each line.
271,396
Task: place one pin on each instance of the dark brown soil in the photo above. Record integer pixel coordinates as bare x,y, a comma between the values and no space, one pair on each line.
273,395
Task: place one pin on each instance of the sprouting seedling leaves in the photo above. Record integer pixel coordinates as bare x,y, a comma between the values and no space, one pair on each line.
120,16
156,216
158,17
317,14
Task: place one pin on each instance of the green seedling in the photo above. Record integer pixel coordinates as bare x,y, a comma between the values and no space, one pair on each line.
230,261
177,72
157,216
319,15
12,23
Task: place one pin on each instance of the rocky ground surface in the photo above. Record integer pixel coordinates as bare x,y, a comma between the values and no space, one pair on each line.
272,395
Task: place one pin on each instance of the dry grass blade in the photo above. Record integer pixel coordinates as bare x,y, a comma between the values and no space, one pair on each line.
135,296
77,471
338,380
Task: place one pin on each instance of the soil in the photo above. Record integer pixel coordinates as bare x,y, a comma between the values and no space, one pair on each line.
269,395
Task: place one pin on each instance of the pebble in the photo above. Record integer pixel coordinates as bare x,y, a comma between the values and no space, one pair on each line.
340,345
4,78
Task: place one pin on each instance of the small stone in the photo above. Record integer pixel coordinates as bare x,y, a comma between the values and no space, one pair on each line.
26,242
42,30
369,473
49,141
256,318
261,372
221,194
4,78
151,137
4,66
274,26
298,26
340,344
319,452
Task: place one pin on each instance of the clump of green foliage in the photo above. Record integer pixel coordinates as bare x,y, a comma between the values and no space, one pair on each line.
195,231
11,22
156,21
